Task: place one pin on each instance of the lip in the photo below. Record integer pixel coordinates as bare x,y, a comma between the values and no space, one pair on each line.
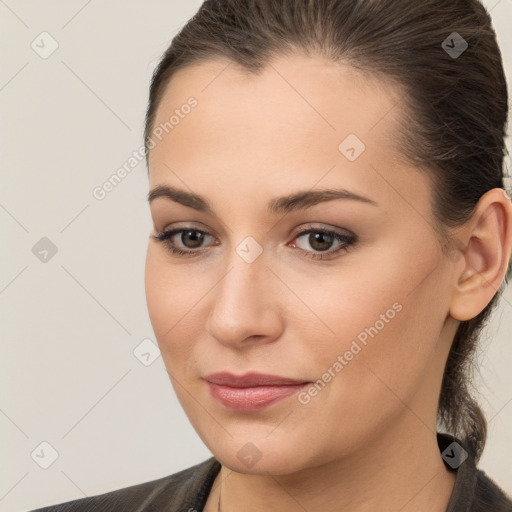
250,380
252,391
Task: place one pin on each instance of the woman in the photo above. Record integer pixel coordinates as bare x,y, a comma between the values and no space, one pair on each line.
331,231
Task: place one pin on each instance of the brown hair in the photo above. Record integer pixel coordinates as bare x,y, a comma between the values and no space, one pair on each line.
454,108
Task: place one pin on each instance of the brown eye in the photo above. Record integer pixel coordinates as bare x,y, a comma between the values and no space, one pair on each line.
321,240
192,237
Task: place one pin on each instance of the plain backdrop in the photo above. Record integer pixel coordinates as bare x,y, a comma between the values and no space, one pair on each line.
75,393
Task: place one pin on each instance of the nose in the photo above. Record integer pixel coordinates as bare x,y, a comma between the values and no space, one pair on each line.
246,309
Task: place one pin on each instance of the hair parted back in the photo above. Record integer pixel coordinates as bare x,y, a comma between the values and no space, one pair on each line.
454,109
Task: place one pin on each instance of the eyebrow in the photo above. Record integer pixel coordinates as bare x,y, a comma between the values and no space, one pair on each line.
296,201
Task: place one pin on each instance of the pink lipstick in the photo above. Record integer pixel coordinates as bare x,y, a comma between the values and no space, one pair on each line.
252,391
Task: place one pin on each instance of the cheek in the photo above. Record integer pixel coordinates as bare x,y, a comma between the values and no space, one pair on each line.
172,295
392,368
384,321
170,291
157,292
178,300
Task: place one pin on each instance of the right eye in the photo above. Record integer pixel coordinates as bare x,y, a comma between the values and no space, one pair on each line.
191,236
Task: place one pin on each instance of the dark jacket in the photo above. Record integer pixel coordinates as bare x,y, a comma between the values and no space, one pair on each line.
188,490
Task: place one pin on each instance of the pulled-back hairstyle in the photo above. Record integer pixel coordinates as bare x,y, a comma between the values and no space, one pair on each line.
454,110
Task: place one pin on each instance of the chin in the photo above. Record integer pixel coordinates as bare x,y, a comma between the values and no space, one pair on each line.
273,464
260,455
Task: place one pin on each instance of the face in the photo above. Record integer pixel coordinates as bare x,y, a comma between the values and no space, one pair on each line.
344,292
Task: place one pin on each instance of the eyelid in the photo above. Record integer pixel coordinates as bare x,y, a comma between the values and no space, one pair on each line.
323,227
184,225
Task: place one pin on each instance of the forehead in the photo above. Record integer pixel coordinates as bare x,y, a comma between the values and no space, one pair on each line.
282,126
291,99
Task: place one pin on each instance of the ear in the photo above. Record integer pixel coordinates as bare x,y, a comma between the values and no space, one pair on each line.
487,243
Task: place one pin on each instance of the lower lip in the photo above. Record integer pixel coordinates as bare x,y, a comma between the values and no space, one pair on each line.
252,399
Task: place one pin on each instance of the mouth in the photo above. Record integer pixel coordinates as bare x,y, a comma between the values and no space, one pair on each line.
252,391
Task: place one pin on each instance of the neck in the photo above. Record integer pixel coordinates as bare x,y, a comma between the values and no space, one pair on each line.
400,470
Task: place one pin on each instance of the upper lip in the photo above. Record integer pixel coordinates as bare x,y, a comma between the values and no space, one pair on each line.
250,379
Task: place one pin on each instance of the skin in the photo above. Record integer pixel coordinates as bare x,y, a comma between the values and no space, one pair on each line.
367,440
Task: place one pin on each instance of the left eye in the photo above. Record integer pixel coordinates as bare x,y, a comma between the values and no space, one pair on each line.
319,239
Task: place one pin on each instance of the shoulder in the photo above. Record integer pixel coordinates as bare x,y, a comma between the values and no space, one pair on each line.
488,496
178,490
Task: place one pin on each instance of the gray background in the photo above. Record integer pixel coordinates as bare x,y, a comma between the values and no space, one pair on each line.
70,324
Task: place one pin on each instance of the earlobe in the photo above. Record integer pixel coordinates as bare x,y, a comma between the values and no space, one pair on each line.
486,255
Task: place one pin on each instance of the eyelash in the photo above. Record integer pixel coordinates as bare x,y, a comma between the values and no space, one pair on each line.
347,242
